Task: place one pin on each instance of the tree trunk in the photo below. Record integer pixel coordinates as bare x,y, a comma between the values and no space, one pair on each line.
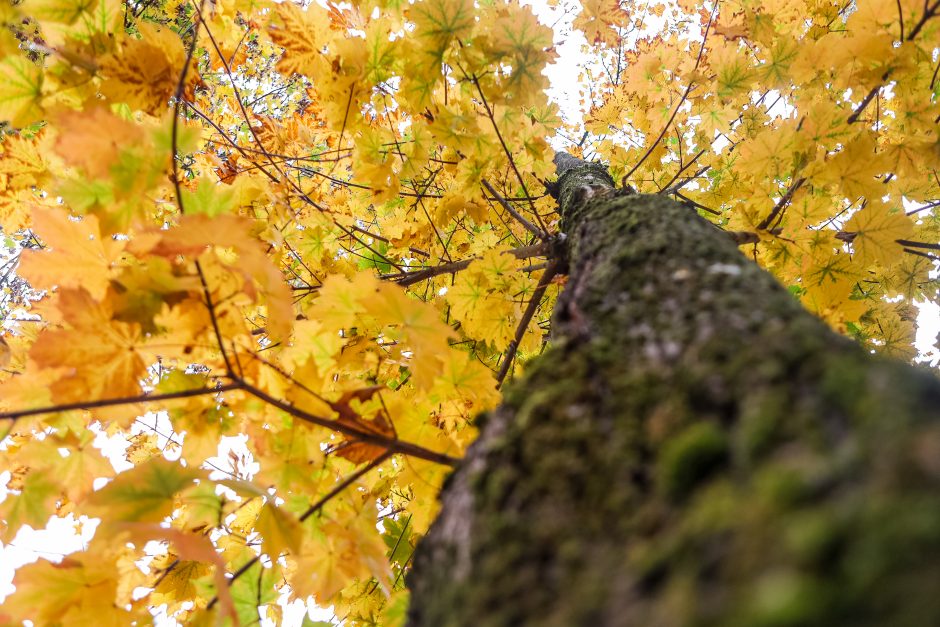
694,449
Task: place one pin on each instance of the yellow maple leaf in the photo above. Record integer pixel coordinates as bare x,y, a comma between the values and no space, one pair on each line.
76,20
338,305
892,333
83,464
101,354
464,377
177,582
145,493
80,590
80,257
416,323
302,34
24,161
443,21
92,139
854,169
280,531
15,208
197,233
246,516
346,549
876,229
144,72
35,503
598,20
21,82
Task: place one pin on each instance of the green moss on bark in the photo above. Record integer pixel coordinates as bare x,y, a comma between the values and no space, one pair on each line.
690,458
694,449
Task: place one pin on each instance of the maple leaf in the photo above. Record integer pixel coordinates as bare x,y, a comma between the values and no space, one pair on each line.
599,20
79,590
443,21
854,169
81,257
352,449
346,548
103,354
24,161
33,506
178,581
876,230
194,556
76,20
93,139
197,233
280,530
414,323
301,32
15,208
145,493
143,72
21,83
208,199
78,471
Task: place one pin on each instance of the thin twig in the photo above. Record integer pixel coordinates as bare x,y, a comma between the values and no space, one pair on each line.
342,485
675,188
502,142
534,302
112,402
675,111
920,253
783,202
913,244
531,228
930,205
213,318
666,189
697,205
177,100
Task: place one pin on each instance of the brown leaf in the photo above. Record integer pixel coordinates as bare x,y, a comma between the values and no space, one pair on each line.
352,449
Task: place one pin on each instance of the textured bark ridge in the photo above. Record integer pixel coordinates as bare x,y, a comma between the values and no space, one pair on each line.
693,449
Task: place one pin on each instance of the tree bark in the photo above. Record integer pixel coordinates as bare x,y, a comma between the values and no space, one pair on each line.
693,449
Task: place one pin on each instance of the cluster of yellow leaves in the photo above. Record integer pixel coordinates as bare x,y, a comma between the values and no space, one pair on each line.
212,204
812,124
488,298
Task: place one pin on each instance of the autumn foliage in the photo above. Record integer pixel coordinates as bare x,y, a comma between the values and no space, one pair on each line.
326,229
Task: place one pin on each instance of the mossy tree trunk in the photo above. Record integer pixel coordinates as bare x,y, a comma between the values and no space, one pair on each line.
693,449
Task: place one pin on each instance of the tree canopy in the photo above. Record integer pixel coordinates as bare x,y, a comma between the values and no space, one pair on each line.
329,229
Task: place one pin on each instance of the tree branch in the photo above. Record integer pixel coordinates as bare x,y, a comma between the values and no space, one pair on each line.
531,228
112,402
392,444
783,202
410,278
534,303
502,142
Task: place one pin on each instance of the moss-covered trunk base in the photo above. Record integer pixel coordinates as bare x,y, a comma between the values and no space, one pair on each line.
694,449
